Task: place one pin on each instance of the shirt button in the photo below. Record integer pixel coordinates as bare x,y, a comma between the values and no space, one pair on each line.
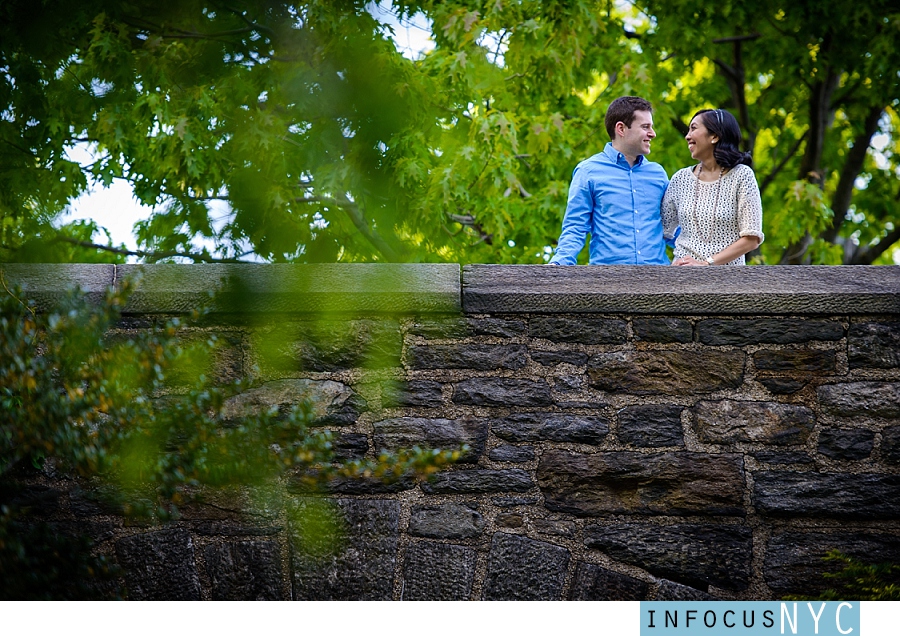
639,251
635,211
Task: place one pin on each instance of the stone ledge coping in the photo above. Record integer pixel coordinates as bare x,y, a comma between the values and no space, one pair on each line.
761,290
437,288
317,288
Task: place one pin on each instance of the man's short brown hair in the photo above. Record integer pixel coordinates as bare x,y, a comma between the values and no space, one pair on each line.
622,110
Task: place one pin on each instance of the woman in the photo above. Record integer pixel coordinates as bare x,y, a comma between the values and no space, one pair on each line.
716,202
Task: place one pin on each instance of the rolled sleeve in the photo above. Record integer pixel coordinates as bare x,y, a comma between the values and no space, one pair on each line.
749,213
669,215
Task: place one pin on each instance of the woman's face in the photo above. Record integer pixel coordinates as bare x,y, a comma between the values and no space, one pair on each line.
700,141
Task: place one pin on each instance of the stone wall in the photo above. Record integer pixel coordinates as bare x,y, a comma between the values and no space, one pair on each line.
634,433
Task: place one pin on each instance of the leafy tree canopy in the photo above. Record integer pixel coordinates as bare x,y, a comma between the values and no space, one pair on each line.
328,144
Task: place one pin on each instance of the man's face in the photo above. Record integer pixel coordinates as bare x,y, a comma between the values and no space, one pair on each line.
636,140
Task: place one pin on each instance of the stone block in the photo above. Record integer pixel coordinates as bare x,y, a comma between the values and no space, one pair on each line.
729,421
407,432
313,482
508,453
890,444
783,457
218,528
653,291
846,443
522,569
553,358
874,345
795,360
566,383
446,521
461,327
502,392
327,345
651,425
795,561
497,327
159,566
578,329
348,553
245,571
741,332
438,572
594,583
554,427
782,386
331,403
663,330
827,495
218,354
509,520
677,372
315,288
478,481
861,399
671,591
555,527
694,554
337,345
625,482
478,357
47,284
412,393
440,327
350,446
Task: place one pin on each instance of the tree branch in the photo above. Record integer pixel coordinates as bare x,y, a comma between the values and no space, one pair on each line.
153,256
730,72
737,38
853,164
468,220
867,255
679,125
176,33
774,173
359,222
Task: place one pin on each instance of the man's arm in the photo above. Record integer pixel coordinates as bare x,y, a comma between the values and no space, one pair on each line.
576,223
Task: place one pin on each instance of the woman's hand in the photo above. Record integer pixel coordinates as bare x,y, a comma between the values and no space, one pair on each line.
733,251
688,260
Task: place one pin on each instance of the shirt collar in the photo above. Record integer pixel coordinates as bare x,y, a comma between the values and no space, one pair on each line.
617,157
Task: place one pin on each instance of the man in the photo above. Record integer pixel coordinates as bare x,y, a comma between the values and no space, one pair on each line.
615,195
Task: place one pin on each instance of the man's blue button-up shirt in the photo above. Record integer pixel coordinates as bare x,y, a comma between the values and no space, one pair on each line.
619,205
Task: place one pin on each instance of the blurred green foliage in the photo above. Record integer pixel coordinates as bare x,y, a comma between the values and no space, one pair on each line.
134,415
328,144
859,581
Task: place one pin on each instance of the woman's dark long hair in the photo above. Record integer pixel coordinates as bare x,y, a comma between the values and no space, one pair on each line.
723,125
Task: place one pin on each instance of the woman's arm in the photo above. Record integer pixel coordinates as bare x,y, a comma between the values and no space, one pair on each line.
735,250
669,211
